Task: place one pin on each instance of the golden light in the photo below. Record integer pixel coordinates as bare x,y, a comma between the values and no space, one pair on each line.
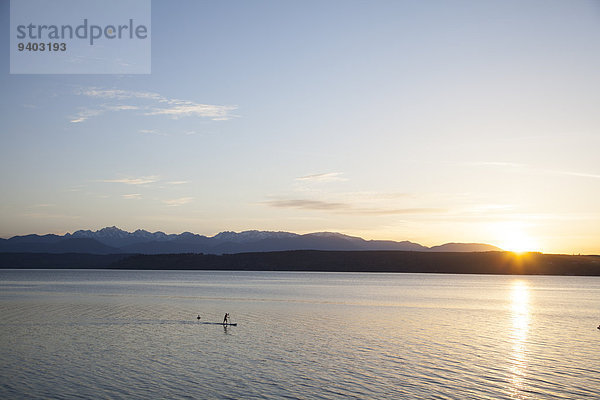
513,237
520,309
519,301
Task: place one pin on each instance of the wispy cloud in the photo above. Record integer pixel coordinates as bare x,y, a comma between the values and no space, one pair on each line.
401,211
178,202
580,174
134,181
307,204
188,108
526,167
120,94
121,107
346,208
324,177
132,196
495,164
150,103
151,132
178,182
85,114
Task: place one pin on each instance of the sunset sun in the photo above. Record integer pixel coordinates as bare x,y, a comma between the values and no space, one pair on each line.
513,237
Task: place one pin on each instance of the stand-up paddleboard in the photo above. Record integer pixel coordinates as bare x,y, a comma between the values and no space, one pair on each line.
217,323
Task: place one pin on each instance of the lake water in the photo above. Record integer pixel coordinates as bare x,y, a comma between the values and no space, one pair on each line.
127,334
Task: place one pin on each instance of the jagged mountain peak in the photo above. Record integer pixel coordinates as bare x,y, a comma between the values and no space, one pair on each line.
106,231
333,235
252,235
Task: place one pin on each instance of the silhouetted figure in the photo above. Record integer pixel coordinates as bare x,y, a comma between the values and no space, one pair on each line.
198,317
226,319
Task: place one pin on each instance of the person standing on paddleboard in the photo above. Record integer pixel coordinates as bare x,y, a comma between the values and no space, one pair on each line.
226,319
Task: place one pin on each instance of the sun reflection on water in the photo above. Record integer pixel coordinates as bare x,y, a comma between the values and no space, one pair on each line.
520,326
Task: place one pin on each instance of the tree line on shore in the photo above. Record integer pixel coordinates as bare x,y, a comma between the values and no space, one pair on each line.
492,262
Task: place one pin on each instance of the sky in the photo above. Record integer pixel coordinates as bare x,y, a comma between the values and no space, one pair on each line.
434,122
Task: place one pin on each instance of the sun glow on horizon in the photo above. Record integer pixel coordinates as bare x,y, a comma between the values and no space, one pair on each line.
513,237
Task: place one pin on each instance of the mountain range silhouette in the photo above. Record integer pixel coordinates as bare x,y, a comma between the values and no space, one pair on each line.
112,240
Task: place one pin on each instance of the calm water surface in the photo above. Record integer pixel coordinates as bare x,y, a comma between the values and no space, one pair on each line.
124,334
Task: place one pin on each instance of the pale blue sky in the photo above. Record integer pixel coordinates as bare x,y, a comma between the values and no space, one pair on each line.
430,121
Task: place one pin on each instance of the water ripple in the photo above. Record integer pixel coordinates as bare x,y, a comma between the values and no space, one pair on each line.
303,336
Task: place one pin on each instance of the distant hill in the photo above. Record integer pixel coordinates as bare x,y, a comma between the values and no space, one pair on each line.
55,244
464,247
112,240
